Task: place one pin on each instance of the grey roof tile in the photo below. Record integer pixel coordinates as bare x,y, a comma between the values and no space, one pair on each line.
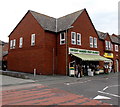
114,39
56,25
101,35
47,22
65,22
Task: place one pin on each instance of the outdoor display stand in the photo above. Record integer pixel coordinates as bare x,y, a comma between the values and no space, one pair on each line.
90,73
71,69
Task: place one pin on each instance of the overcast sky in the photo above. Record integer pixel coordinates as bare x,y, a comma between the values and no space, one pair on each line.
103,13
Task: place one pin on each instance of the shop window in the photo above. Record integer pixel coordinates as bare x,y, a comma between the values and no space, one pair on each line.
11,44
73,38
78,39
14,43
91,41
116,48
106,45
62,38
95,42
32,39
21,42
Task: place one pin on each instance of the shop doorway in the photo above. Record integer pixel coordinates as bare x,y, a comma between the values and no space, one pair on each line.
117,66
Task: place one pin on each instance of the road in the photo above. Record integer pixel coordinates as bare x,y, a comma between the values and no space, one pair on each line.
97,90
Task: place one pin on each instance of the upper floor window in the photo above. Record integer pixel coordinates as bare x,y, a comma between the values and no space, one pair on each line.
78,39
62,38
95,42
116,48
73,38
11,44
32,39
91,41
20,42
14,43
109,45
106,45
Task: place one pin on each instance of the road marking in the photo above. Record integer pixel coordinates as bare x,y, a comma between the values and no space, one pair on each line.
108,94
101,97
105,88
76,82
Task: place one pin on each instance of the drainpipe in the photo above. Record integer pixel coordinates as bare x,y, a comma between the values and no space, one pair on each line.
53,61
66,53
67,48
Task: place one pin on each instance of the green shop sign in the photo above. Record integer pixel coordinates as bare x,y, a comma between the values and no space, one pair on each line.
83,51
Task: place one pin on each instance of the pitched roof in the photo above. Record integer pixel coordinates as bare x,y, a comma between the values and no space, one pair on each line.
54,24
2,42
47,22
114,39
65,22
101,35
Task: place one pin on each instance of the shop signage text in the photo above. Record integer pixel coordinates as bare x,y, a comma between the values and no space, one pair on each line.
83,51
108,55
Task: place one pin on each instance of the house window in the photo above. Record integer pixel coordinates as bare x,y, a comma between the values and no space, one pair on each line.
91,41
73,38
109,45
62,38
78,39
14,43
116,48
106,45
20,42
95,42
32,39
11,44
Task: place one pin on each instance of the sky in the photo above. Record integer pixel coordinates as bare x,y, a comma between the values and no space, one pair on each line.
103,13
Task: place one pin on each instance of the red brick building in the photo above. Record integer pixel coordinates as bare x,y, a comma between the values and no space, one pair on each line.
48,45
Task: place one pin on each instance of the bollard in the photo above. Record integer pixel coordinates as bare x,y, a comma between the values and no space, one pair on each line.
34,72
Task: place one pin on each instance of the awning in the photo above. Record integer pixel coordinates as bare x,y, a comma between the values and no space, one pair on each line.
86,57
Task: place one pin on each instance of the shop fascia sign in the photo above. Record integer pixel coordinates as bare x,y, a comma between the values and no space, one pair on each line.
108,55
83,51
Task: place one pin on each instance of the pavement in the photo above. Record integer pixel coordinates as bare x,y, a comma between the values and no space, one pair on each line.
80,88
43,95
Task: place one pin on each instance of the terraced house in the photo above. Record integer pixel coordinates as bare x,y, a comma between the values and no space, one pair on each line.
55,46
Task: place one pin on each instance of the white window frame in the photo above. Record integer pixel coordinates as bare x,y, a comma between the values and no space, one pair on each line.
106,45
73,41
91,42
109,45
11,44
20,42
62,40
116,48
32,39
14,43
95,42
78,40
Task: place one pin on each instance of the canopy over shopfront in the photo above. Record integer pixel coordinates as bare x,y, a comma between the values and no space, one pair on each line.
87,57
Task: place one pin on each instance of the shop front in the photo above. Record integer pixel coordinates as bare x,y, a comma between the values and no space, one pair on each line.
89,61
